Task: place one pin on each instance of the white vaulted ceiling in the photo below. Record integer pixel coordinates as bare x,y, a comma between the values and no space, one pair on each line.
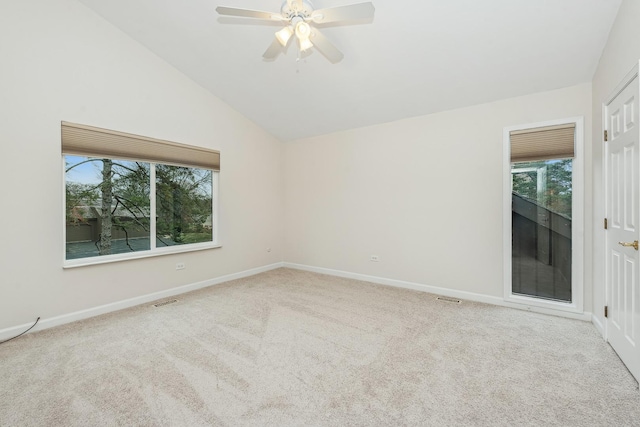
416,57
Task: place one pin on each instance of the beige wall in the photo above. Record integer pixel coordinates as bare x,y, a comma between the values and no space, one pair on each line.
424,194
620,55
60,61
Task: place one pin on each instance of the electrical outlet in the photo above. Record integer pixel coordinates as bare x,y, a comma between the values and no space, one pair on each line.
180,266
374,258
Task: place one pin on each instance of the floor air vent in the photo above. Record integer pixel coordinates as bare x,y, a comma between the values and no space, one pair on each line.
167,302
447,299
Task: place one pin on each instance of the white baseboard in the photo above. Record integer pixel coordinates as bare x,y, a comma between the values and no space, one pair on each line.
470,296
119,305
598,324
131,302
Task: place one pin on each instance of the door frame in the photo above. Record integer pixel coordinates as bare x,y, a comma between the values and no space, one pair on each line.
626,81
577,222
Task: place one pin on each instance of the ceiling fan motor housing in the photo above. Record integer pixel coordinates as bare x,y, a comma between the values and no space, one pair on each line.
294,10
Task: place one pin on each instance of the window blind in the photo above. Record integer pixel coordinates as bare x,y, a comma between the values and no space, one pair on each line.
549,142
91,141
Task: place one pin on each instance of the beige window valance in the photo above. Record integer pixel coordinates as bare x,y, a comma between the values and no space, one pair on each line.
91,141
549,142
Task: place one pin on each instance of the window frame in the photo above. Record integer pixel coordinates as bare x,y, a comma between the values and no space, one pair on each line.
153,251
577,231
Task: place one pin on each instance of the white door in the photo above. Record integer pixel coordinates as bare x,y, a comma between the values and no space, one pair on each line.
623,205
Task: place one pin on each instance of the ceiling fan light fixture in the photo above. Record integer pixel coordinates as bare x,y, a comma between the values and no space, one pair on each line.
284,35
303,30
305,44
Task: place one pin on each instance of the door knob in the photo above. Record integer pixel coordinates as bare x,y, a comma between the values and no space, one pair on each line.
634,244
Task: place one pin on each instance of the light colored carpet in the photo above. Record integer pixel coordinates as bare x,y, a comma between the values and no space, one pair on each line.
288,347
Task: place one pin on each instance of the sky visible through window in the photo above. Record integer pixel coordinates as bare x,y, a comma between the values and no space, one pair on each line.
88,173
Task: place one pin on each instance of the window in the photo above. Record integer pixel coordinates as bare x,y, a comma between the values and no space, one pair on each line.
543,215
121,202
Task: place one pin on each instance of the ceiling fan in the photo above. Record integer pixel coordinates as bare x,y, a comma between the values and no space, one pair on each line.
298,17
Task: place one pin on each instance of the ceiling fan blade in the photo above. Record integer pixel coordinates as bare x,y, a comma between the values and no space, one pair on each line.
273,51
351,12
248,13
325,46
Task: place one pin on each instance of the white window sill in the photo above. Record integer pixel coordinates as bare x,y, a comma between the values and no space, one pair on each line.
107,259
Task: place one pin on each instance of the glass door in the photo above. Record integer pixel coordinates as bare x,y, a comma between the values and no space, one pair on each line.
541,200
